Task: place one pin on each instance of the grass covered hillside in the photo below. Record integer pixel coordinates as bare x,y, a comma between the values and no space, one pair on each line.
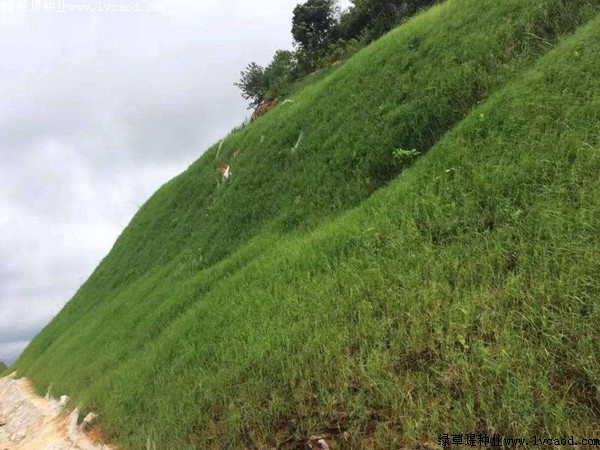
338,283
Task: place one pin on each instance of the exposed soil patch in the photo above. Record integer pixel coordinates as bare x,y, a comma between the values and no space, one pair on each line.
29,422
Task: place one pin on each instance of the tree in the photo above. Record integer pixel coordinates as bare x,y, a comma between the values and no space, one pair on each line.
252,84
312,24
376,17
280,73
3,366
352,23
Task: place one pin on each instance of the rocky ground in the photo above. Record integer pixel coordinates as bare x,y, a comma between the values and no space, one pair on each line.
29,422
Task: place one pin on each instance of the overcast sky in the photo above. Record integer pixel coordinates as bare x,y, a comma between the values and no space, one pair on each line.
98,110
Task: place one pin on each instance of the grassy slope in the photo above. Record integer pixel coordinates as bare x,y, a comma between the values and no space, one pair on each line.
458,298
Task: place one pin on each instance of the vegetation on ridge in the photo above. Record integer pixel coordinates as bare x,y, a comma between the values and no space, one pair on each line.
293,299
324,35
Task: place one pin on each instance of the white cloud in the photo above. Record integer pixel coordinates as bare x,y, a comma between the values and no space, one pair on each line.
9,352
99,110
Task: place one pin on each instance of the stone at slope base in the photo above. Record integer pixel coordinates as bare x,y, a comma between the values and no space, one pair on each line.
33,423
265,105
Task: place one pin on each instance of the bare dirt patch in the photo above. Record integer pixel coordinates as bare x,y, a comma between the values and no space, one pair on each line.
29,422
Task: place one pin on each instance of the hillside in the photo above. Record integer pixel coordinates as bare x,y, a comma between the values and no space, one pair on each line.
332,285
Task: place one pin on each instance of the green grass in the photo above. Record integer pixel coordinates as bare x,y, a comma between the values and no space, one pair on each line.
332,289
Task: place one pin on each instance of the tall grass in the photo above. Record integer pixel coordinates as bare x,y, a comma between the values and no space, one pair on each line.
330,289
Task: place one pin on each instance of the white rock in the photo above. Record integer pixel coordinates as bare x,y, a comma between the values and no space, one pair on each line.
323,445
89,420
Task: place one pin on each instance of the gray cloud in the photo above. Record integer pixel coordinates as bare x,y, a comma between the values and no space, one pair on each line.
98,110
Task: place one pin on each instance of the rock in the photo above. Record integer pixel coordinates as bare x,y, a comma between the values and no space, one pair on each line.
63,401
322,444
318,443
17,437
89,420
29,422
225,171
264,107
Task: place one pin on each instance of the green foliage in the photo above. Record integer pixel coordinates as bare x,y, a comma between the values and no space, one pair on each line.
340,51
319,292
352,24
312,24
3,366
324,36
374,18
280,74
252,84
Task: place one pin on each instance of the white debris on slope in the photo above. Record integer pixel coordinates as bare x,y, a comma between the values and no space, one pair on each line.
28,422
298,142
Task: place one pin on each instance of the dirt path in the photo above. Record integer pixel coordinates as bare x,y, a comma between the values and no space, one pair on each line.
28,422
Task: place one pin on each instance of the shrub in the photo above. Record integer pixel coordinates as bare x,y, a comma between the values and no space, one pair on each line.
339,51
252,84
313,23
374,18
280,73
